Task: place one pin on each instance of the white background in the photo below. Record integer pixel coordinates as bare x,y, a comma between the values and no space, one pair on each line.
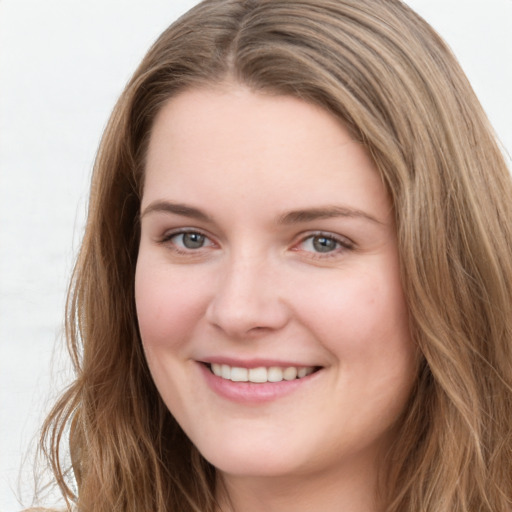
62,65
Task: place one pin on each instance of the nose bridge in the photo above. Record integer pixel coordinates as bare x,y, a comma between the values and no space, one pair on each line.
248,296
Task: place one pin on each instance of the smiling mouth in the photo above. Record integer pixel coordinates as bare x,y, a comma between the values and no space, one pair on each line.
261,374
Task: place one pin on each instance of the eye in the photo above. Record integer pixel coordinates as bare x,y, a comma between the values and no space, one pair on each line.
322,243
188,240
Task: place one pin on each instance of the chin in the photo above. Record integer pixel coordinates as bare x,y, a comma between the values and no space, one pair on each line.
252,459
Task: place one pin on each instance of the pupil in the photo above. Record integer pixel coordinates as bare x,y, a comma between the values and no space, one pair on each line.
193,240
324,244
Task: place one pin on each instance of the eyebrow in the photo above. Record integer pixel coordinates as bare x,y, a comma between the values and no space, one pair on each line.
311,214
177,209
292,217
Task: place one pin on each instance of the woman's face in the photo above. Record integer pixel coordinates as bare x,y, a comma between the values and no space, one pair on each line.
267,285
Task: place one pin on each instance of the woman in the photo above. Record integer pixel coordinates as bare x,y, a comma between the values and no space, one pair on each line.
294,290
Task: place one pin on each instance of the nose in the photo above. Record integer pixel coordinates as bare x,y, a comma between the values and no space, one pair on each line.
248,299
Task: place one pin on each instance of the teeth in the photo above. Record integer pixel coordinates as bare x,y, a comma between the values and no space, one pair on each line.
260,374
217,369
302,372
290,373
239,374
225,371
275,374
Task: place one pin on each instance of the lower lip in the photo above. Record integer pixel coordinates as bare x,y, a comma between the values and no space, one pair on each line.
251,392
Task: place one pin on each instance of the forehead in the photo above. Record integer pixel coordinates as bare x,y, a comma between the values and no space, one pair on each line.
233,115
233,140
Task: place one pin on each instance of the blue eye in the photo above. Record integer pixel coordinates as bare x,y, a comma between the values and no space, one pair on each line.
189,240
324,244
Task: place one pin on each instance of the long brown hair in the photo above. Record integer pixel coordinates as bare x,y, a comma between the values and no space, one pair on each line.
392,81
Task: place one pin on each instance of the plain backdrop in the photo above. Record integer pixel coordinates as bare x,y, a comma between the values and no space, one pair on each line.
63,64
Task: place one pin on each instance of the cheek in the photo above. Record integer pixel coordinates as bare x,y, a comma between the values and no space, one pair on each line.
363,316
169,305
364,326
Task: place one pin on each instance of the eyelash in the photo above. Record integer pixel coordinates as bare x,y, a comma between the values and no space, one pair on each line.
168,239
342,244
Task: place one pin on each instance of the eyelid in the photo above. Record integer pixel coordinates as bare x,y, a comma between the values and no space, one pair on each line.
168,235
345,243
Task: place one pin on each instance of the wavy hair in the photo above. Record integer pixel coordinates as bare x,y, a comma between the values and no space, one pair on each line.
384,72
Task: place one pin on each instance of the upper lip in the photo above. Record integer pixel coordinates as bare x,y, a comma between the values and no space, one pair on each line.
254,363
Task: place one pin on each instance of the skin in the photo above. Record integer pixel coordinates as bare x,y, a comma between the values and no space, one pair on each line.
319,289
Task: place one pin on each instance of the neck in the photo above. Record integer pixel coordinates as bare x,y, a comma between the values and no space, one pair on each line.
349,489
